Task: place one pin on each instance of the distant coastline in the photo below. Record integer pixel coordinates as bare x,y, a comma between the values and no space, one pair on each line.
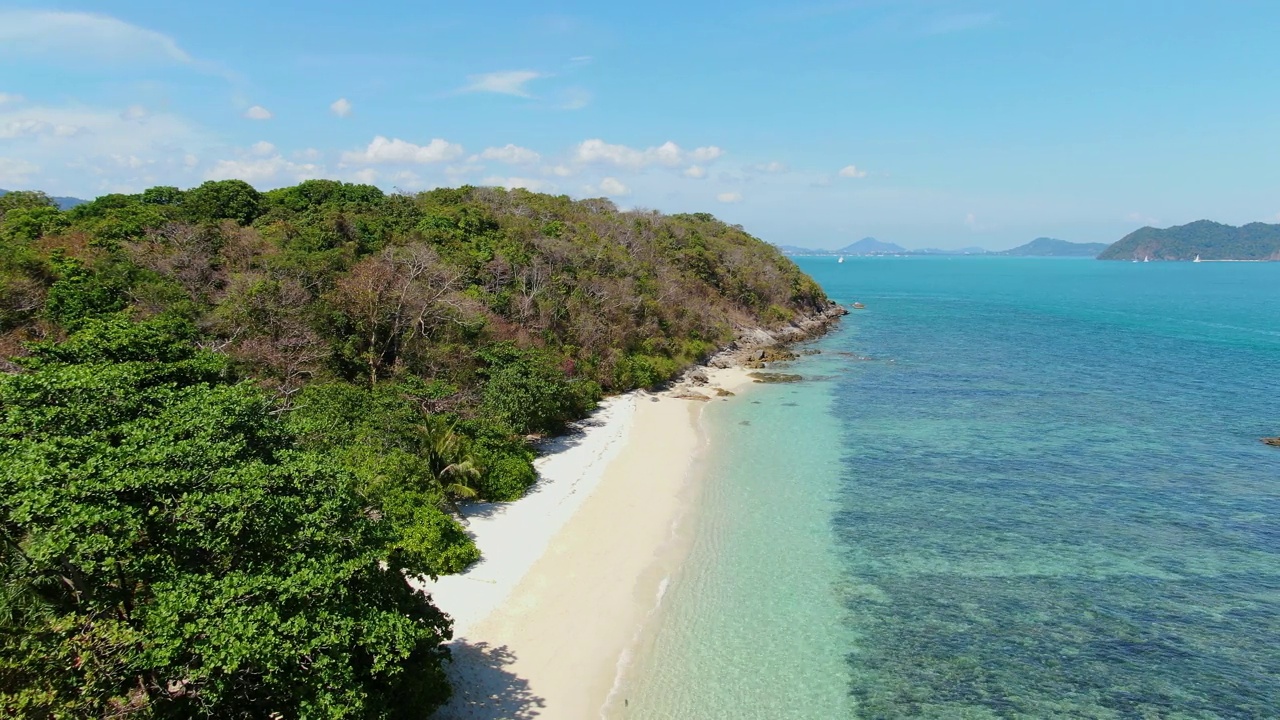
1200,241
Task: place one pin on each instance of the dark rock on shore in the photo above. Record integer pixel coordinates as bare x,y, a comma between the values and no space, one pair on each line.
768,377
1272,441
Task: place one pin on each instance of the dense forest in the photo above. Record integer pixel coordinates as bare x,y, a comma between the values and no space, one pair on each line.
233,420
1209,240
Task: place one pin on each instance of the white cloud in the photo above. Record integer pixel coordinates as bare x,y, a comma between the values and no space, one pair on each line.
368,176
262,147
696,172
35,128
511,183
15,172
580,60
706,154
74,35
608,186
511,154
341,107
558,170
384,150
613,186
772,168
190,160
256,170
86,151
10,99
971,221
408,180
133,112
852,171
309,154
510,82
729,197
668,154
257,112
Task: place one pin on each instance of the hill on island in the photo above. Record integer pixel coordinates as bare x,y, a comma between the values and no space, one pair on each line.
872,246
1209,240
234,421
1052,247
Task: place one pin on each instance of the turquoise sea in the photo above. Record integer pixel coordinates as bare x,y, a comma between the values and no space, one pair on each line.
1009,488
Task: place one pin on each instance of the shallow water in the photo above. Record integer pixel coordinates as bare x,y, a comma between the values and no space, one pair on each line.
1016,488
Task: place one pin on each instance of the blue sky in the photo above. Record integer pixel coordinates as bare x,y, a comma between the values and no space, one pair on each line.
925,122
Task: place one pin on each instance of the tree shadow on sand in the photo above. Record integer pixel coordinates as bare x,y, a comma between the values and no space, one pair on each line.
484,688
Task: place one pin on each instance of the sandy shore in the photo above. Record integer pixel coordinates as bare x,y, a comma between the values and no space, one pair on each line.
572,571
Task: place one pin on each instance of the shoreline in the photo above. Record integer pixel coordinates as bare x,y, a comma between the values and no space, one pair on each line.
546,622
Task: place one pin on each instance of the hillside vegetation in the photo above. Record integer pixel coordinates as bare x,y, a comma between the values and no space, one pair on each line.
1209,240
231,419
1052,247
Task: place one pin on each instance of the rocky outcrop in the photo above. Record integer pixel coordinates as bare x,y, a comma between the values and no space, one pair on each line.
1273,442
755,347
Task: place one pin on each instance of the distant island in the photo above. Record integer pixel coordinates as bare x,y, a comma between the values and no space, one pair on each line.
1040,247
1052,247
865,246
1205,239
870,246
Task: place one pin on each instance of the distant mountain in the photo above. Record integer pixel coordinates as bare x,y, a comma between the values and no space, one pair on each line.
797,250
1052,247
871,246
64,203
1209,240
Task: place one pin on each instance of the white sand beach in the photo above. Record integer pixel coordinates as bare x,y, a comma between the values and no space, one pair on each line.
571,572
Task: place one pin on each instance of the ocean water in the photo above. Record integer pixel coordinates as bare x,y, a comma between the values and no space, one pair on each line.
1009,488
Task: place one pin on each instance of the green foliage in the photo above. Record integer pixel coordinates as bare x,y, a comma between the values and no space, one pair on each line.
28,224
223,200
162,195
24,200
526,390
405,461
80,293
167,552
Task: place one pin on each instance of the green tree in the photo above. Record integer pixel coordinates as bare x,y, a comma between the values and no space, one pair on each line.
81,293
223,200
411,467
526,390
28,224
166,551
25,199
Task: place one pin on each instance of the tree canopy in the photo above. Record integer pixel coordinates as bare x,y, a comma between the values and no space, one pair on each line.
169,551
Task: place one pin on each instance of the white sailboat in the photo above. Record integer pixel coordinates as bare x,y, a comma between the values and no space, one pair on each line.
1147,259
841,259
1197,259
